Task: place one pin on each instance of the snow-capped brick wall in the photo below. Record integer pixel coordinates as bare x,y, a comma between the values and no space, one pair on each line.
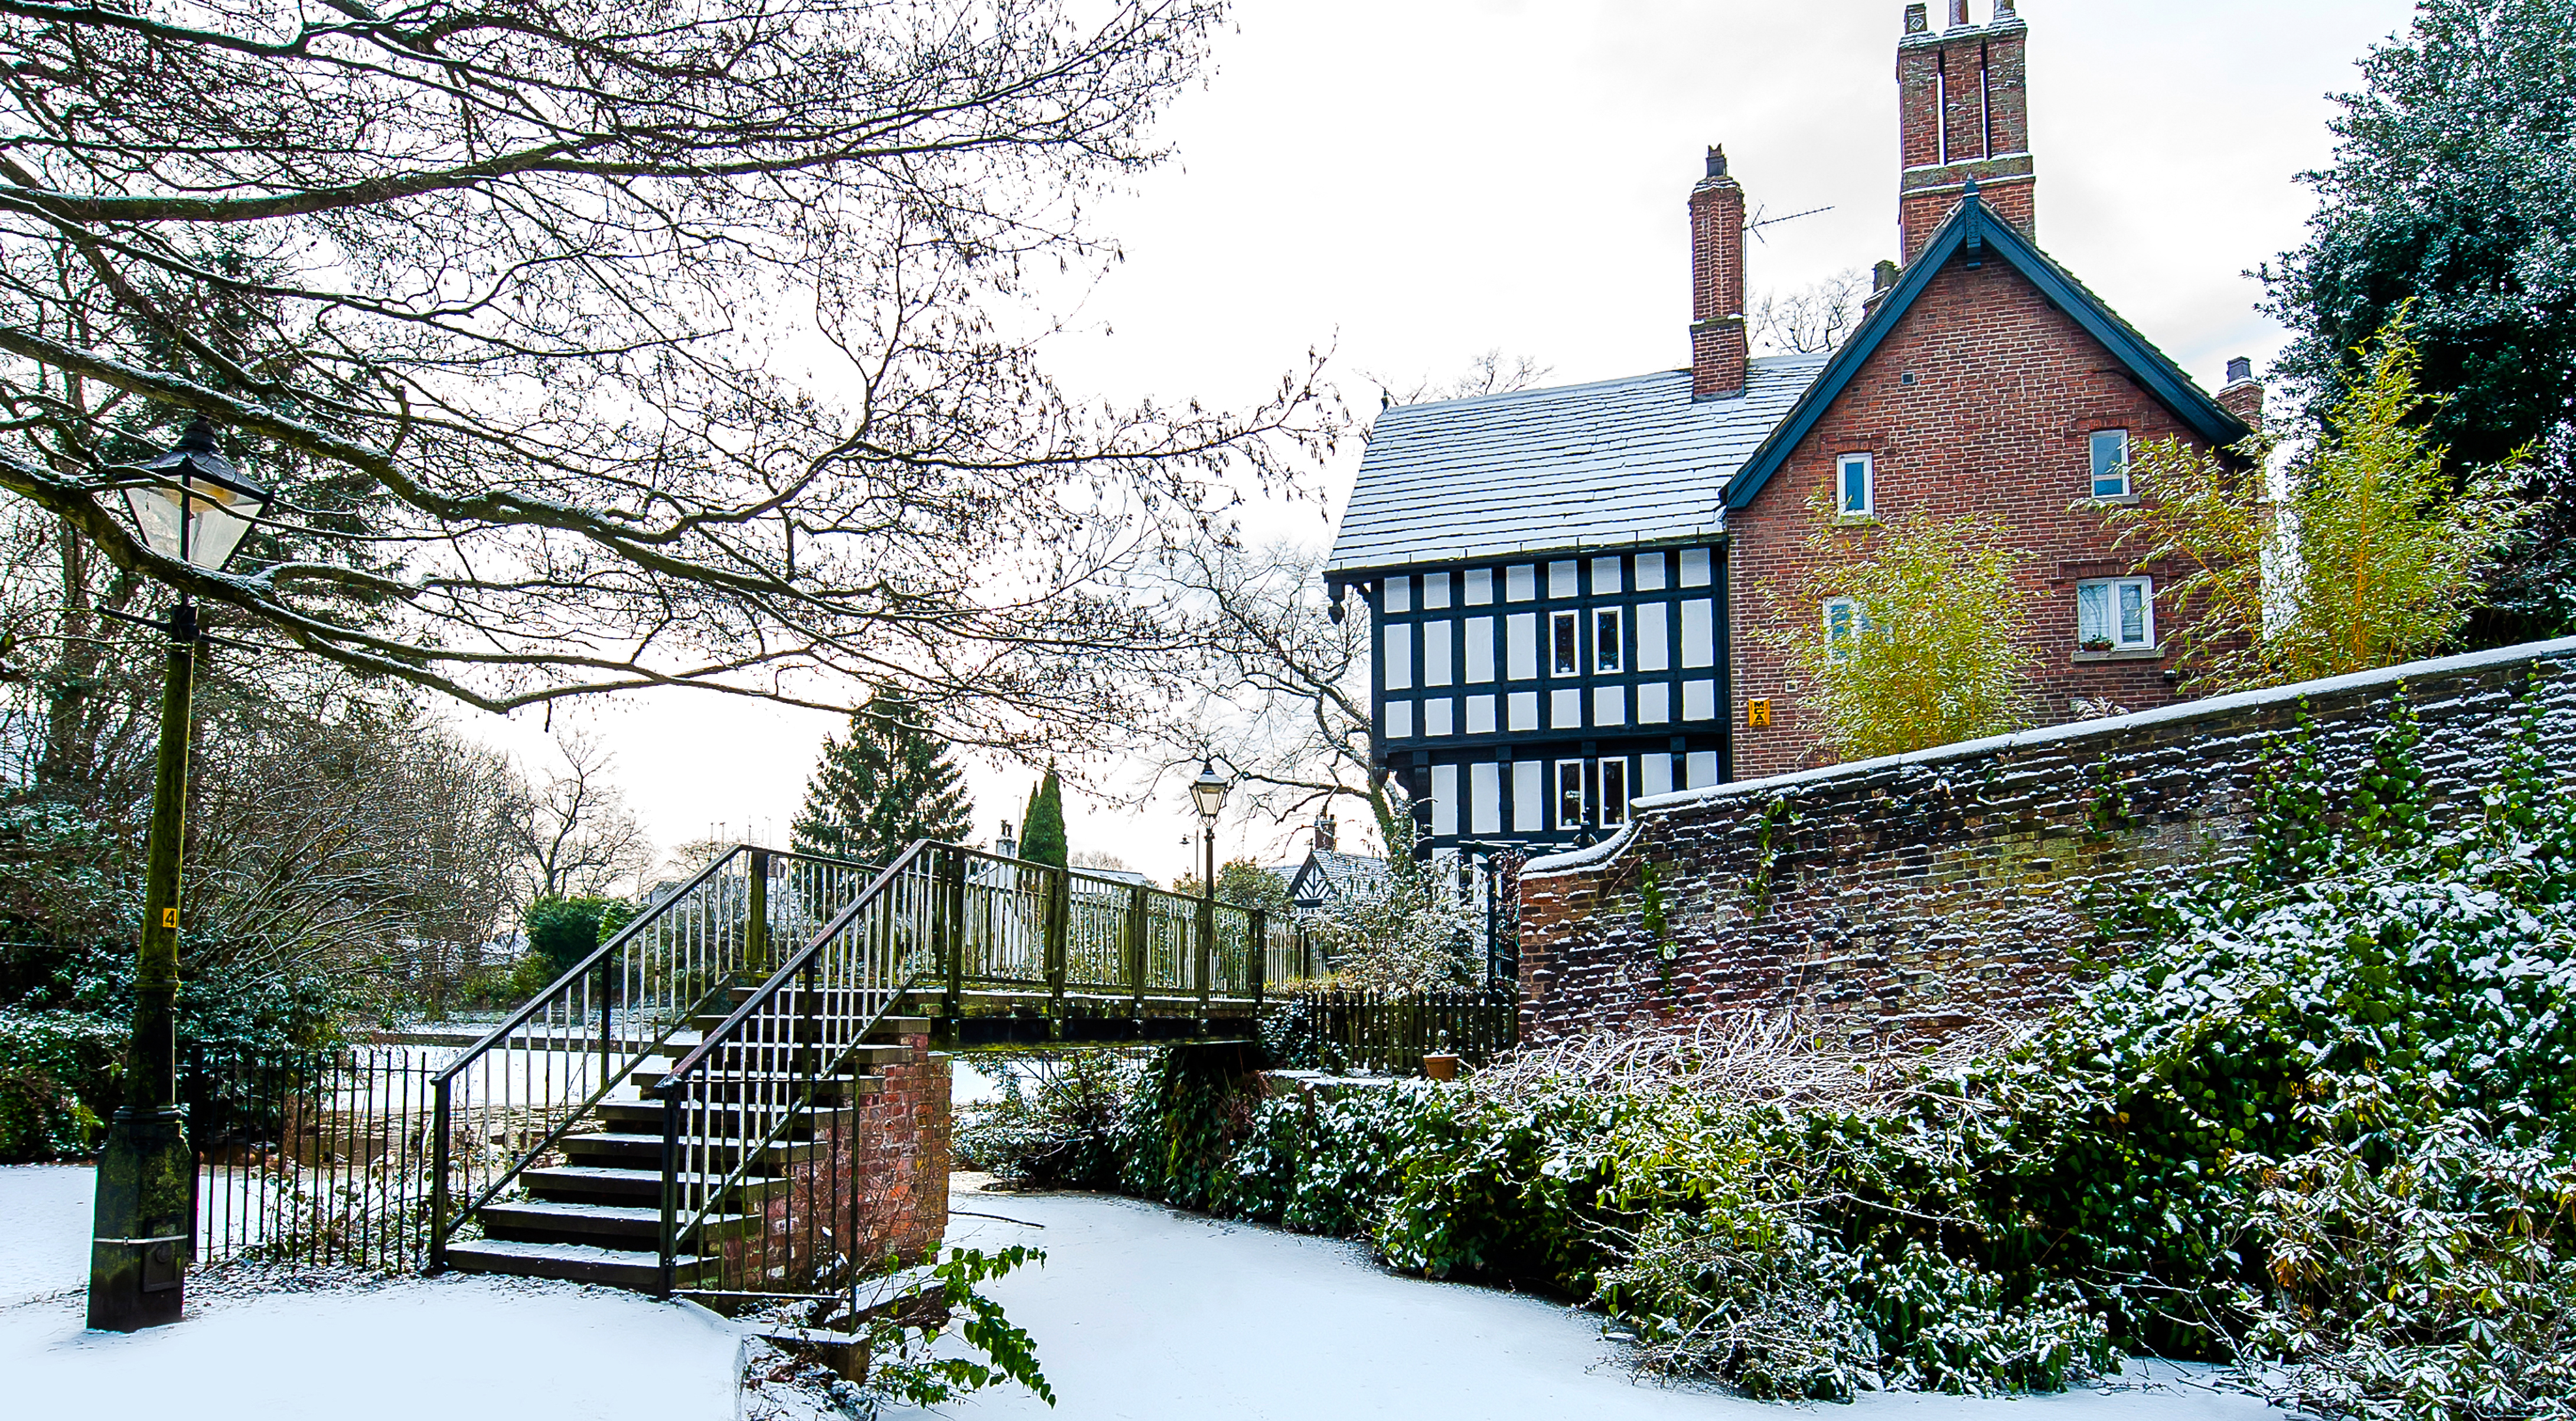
1909,895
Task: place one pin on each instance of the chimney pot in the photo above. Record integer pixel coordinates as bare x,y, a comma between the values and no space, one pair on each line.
1883,276
2004,10
1918,19
2240,370
1717,161
1958,14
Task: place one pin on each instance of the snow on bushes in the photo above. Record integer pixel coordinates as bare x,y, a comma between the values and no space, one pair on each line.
2315,1124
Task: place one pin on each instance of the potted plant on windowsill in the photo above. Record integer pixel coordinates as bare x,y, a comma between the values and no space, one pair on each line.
2098,643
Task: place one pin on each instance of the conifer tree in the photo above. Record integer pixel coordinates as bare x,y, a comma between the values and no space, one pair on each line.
893,781
1042,827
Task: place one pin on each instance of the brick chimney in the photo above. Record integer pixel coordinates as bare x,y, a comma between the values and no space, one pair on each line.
1719,353
2242,395
1963,104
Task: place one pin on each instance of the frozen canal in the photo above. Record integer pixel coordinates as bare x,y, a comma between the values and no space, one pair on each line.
1145,1314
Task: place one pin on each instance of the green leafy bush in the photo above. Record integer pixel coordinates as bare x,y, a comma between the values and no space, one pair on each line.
58,1072
2315,1123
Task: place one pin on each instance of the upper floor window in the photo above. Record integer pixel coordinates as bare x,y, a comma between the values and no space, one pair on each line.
2111,464
1564,635
1856,489
1606,644
2116,614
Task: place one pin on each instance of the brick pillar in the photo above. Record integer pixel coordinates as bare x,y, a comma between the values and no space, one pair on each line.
1720,354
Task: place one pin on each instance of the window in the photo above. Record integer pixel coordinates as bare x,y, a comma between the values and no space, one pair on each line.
1606,655
2111,464
1569,794
1654,646
1843,621
1855,490
1522,646
1480,650
1399,657
1614,792
1435,653
2116,614
1480,586
1561,636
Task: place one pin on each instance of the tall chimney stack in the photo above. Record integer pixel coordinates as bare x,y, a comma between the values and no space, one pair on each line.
1719,353
1963,107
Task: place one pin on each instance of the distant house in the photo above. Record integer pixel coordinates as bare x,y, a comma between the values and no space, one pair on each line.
1328,878
1581,596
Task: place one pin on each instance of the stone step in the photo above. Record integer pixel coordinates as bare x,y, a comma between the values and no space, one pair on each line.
600,1184
771,1089
645,1151
616,1226
570,1263
644,1117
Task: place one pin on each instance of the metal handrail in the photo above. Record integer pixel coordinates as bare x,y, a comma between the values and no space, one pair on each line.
688,1065
581,973
445,1218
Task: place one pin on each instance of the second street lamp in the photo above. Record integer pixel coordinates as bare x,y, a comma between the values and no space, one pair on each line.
1208,793
192,506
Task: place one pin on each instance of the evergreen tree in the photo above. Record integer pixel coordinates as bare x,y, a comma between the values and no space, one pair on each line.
893,781
1042,827
2452,198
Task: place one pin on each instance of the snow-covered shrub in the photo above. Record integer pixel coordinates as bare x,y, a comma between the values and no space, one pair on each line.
1057,1121
52,1065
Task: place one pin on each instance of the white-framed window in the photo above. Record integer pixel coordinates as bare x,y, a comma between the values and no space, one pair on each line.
1569,794
2116,614
1565,634
1856,485
1844,620
1614,791
1607,652
2111,464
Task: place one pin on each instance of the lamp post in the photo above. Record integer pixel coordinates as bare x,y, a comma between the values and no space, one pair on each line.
1208,793
195,508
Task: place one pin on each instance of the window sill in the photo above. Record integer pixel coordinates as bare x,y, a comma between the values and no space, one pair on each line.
2126,500
2135,653
1856,520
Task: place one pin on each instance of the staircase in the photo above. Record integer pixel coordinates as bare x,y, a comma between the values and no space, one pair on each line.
596,1216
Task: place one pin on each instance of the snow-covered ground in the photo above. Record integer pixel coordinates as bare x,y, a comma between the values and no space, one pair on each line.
1141,1314
427,1349
1145,1314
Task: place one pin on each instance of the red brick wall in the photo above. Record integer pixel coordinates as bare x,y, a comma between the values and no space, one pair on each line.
2005,392
1904,896
885,1166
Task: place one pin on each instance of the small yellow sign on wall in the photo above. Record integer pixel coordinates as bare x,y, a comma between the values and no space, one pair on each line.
1757,714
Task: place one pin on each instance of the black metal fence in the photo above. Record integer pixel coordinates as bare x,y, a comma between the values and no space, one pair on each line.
316,1157
1390,1032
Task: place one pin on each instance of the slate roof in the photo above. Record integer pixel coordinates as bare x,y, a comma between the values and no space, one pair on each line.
1341,874
1606,465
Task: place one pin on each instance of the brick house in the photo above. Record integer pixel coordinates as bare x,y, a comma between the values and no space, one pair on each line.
1575,591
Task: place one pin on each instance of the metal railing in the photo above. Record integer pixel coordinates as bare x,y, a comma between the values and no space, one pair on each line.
765,1183
311,1157
769,1191
507,1101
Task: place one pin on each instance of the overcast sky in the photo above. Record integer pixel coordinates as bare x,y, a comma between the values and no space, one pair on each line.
1412,182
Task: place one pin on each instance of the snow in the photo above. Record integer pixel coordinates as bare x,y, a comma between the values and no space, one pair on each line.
44,1230
1142,1313
410,1348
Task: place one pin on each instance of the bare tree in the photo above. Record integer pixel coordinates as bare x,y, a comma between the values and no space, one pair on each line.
1283,687
575,838
1492,373
1813,320
515,307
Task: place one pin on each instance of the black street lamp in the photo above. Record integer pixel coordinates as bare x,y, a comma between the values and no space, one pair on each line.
195,507
1208,793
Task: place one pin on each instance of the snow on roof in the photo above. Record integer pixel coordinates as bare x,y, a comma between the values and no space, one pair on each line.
1604,465
1341,873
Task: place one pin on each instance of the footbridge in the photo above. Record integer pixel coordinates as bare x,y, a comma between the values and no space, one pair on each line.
735,1099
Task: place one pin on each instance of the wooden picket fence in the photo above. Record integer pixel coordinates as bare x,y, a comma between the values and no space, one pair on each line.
1390,1032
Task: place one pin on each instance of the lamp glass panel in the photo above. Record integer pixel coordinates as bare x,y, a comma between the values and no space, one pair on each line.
156,517
218,519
